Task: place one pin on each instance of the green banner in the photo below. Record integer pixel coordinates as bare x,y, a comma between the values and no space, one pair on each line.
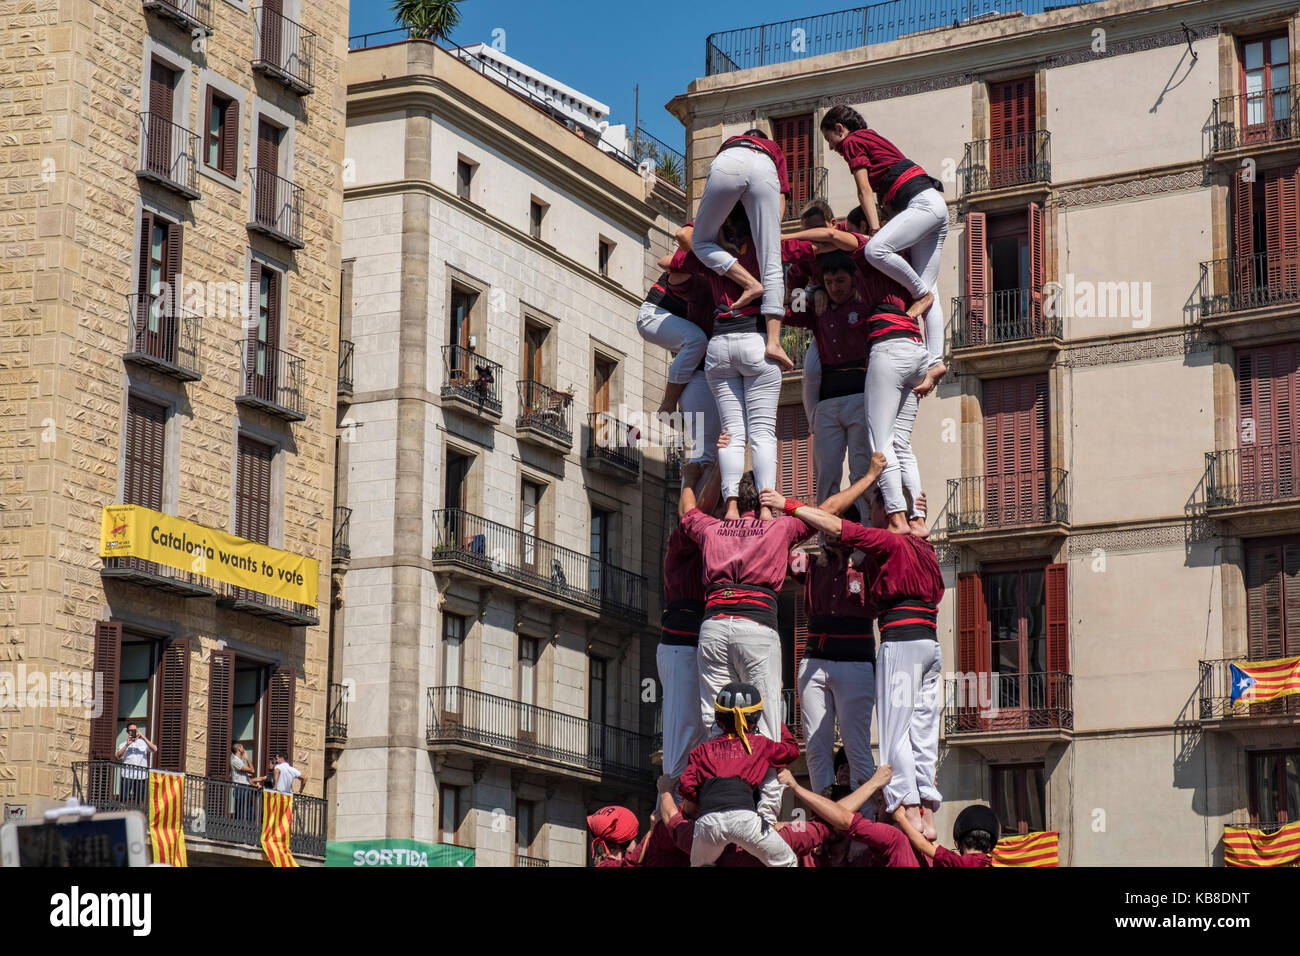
396,853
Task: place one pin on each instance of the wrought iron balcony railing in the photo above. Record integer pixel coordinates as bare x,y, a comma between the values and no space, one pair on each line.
523,859
1254,119
614,442
1005,161
806,184
273,380
169,155
342,518
282,49
546,410
346,349
268,606
212,809
1020,499
159,576
460,715
336,718
277,207
1241,283
1252,475
991,702
163,335
470,541
1008,315
1215,695
669,164
472,378
190,14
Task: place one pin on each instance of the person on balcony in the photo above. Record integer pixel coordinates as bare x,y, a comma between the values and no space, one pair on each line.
905,587
240,765
919,219
286,774
134,755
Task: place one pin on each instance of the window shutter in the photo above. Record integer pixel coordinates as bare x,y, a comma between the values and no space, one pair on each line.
268,147
794,135
1281,214
108,656
800,644
1037,268
172,262
794,441
161,79
230,140
280,700
255,308
972,647
142,260
1268,391
975,238
273,316
1243,232
1291,599
144,453
1058,633
173,711
253,490
221,705
207,126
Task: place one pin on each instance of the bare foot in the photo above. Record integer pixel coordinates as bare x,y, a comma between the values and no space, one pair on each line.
920,305
917,527
777,355
932,379
928,829
913,814
898,523
733,510
748,297
765,513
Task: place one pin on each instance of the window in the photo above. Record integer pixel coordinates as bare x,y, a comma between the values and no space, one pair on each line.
464,177
135,686
161,141
526,817
601,383
268,198
536,213
1012,150
459,323
527,696
1265,78
253,490
794,134
596,690
1020,798
1268,429
146,424
1016,475
450,800
1273,605
530,498
1266,235
535,336
453,640
606,251
1275,787
456,482
221,133
262,347
1005,274
249,702
602,545
245,723
158,258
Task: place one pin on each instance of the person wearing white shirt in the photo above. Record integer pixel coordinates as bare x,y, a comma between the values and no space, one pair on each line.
286,774
134,756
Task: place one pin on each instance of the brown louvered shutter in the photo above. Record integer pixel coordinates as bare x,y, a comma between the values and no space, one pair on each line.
794,135
1268,392
230,140
146,428
1281,225
1037,268
173,710
207,127
143,292
108,656
161,80
254,313
158,147
221,705
1011,125
795,453
975,238
279,713
172,262
1015,448
272,27
268,167
1058,635
1242,276
972,649
273,298
253,491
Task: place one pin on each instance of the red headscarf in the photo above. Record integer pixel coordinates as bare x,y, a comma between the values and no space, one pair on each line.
612,824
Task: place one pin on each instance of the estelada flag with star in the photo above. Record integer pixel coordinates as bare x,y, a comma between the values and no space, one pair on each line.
1254,682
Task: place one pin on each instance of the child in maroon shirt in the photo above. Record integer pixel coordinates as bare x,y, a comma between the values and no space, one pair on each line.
975,834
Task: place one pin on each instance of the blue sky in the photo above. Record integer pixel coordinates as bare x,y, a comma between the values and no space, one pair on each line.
605,48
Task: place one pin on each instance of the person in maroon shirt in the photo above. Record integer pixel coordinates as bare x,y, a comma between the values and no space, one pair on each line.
906,588
802,273
885,845
723,777
919,221
975,833
613,831
804,837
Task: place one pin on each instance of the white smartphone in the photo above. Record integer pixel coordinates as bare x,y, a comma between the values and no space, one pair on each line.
105,839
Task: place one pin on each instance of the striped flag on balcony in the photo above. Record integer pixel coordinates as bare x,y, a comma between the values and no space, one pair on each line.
1028,849
1251,846
166,817
277,823
1254,682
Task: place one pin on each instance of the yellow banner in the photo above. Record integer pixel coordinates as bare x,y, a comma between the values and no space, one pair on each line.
166,813
277,827
130,531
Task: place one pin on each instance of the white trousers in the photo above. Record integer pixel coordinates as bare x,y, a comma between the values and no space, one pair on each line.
831,689
895,368
746,176
812,384
746,385
736,649
907,707
660,327
679,681
921,227
839,425
747,830
699,410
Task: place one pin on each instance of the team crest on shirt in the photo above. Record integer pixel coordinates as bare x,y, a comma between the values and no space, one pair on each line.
853,318
855,586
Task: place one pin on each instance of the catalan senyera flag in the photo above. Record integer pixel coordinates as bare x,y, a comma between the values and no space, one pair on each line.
1028,849
277,822
166,823
1251,846
1254,682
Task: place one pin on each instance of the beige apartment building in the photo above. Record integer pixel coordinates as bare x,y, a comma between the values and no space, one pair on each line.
172,201
500,596
1112,464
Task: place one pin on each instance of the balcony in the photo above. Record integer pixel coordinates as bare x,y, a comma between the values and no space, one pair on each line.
1009,704
342,553
283,50
1257,487
1271,719
336,715
1265,118
806,185
523,859
169,155
214,810
1007,163
545,416
273,381
471,382
1258,288
163,336
674,458
277,609
186,584
190,15
346,349
1006,330
277,208
1029,508
493,554
612,446
470,721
